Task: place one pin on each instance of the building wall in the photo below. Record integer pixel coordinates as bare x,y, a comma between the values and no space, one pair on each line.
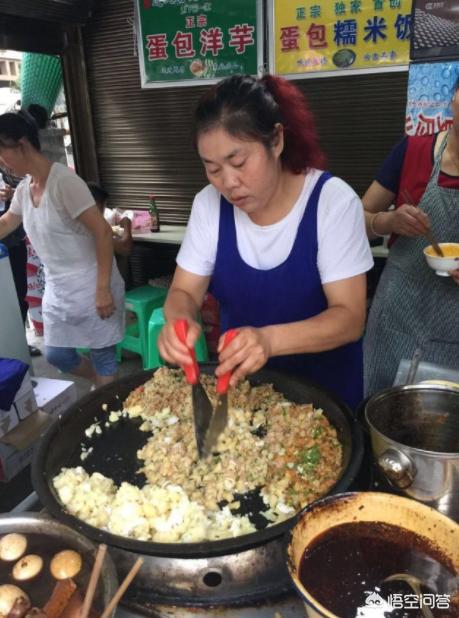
10,64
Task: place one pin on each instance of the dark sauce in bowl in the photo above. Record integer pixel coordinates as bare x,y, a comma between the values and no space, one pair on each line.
39,588
345,567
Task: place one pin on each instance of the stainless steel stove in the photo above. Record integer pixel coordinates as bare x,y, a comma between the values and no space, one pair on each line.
290,607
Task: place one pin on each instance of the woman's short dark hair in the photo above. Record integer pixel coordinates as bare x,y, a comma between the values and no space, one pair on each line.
251,108
39,114
99,194
15,126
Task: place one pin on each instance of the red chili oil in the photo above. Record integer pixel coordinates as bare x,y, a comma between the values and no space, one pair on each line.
345,567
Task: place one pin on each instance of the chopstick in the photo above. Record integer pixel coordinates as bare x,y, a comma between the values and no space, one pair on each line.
436,247
122,589
94,578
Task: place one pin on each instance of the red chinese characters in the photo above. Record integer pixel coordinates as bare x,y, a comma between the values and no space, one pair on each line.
157,46
211,41
183,44
241,36
316,36
289,38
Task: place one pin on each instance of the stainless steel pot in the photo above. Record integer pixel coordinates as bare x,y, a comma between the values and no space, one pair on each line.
35,523
415,439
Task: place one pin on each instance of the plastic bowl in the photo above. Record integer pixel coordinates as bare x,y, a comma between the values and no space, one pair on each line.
443,265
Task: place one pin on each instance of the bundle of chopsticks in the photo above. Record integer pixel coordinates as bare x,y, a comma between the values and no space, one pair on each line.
94,578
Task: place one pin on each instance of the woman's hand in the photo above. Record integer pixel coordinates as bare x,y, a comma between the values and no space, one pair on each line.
171,348
247,353
455,275
6,193
104,303
408,220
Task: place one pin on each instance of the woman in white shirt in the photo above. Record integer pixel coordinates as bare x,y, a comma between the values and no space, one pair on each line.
83,304
279,242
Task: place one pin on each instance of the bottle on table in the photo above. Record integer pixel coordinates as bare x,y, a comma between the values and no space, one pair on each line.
154,214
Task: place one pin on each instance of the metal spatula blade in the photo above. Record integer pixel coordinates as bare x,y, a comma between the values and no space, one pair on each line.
202,415
202,408
220,416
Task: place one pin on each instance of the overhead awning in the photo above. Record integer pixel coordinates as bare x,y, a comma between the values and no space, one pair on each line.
56,11
39,25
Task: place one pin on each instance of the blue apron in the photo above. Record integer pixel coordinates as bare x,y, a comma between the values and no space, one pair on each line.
290,292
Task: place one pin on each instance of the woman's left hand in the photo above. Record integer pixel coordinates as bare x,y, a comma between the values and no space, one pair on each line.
247,353
104,303
455,275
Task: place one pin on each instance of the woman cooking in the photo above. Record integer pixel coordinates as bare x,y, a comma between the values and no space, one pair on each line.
280,243
413,308
83,305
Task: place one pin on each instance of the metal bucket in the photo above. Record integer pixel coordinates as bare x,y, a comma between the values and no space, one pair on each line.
415,441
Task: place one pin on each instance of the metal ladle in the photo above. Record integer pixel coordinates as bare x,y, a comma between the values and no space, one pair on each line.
413,368
415,584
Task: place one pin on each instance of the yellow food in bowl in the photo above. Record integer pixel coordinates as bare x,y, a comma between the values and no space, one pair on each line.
450,250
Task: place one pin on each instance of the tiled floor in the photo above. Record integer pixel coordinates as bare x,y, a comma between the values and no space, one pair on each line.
16,490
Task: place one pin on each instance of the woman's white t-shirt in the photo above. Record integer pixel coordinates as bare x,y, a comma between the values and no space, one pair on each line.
343,248
68,252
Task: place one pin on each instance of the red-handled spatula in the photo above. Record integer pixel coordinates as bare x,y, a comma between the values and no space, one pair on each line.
220,415
202,408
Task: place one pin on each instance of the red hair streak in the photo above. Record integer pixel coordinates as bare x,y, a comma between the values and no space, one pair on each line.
302,149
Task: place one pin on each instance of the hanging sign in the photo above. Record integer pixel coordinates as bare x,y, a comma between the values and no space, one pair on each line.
184,42
430,90
435,30
325,35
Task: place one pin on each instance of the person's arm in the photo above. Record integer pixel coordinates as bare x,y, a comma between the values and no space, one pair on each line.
123,244
8,223
406,220
93,220
183,302
342,322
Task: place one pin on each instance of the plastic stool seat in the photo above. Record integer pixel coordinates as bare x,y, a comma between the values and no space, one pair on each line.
141,301
155,325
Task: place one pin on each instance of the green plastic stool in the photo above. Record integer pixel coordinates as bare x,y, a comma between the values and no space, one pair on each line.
141,301
155,325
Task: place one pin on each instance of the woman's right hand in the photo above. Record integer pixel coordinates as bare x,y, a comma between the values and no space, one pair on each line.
172,349
408,220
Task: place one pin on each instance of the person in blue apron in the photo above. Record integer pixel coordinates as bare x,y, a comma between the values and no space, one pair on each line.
414,308
280,243
83,303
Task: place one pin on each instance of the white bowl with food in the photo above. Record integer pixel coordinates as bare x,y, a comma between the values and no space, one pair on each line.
443,265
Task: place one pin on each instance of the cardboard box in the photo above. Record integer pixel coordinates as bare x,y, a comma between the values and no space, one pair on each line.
24,404
54,396
16,447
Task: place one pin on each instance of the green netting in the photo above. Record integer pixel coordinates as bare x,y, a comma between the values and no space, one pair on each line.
41,80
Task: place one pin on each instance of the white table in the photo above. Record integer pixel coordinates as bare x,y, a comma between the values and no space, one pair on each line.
169,234
173,235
